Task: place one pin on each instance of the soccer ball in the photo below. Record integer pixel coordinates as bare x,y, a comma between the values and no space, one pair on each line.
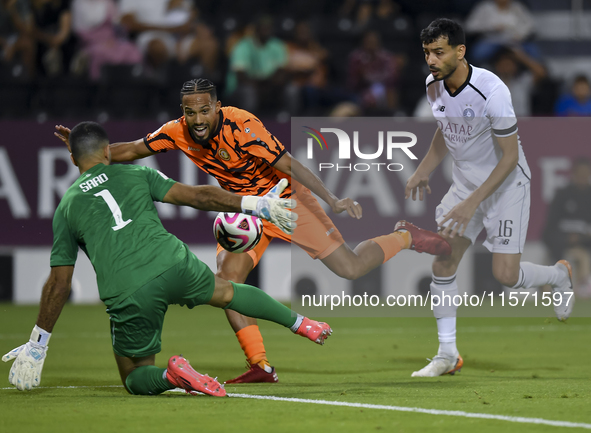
237,232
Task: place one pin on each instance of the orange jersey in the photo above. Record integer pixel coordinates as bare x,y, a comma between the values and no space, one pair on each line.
240,155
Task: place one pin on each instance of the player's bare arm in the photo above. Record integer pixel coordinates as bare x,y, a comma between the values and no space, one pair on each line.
129,151
120,152
203,197
206,197
419,181
54,296
302,174
461,214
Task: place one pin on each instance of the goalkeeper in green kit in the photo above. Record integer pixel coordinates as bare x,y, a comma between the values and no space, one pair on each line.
109,213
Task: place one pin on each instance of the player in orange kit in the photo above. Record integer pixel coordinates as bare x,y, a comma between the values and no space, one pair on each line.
233,146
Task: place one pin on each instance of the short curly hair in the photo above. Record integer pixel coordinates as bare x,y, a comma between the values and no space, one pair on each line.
199,85
446,28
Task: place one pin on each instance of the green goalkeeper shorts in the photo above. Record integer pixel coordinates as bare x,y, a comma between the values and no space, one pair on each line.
136,322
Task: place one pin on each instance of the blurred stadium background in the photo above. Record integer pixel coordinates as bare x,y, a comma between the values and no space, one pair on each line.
113,62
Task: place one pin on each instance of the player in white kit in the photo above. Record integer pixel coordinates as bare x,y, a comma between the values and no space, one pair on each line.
491,183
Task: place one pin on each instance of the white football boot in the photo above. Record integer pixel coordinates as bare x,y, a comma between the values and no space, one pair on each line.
440,365
567,301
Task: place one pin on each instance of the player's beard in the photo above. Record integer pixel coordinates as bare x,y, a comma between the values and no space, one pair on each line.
201,141
446,76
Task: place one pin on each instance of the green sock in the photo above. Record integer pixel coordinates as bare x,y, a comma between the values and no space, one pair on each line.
253,302
147,380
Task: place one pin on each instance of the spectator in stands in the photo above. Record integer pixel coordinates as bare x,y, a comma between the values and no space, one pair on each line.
373,14
201,46
568,226
158,26
373,73
257,77
308,68
94,24
578,101
56,45
346,109
16,41
520,73
499,23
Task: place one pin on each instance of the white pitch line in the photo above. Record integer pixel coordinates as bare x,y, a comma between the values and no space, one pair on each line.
460,413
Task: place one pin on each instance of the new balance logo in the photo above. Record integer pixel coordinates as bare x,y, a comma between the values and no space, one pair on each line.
442,108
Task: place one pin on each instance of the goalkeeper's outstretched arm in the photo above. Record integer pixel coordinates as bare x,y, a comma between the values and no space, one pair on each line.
213,198
54,296
29,358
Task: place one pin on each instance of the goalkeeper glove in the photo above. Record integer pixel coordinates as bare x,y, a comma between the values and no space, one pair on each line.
25,373
272,208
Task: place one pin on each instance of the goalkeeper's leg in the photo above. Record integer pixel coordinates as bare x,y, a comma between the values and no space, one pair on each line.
253,302
141,377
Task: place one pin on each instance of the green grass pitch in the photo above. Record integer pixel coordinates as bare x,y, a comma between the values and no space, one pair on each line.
528,367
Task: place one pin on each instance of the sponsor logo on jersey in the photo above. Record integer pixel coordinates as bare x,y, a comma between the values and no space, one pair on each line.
194,148
442,108
223,154
456,132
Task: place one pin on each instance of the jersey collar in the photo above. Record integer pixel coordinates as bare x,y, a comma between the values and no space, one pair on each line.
92,169
459,89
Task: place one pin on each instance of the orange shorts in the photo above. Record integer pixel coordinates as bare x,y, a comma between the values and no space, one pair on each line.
316,234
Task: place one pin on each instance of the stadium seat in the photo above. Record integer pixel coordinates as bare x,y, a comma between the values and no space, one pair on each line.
16,92
125,93
67,97
548,5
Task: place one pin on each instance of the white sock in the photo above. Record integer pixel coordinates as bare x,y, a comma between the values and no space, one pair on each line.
446,331
445,314
531,275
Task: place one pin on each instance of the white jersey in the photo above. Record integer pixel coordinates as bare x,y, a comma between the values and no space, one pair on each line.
470,119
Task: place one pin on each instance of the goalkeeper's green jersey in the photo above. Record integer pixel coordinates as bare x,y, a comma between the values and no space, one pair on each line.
109,213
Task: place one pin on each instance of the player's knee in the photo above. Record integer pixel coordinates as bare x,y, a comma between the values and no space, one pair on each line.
348,272
222,294
236,276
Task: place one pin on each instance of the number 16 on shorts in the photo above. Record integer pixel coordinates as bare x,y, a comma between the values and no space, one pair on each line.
505,232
